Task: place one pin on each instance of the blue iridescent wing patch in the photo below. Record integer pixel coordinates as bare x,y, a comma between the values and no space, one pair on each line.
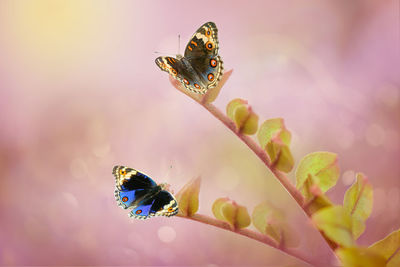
140,193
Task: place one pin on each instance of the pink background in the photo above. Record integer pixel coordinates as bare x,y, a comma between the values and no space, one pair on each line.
80,92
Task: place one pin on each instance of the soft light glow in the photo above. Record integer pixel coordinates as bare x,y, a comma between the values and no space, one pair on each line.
166,234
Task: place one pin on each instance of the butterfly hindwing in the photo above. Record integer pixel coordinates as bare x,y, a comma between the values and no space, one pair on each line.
164,205
142,211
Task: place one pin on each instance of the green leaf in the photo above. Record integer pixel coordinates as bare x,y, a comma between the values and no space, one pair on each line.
360,257
314,197
229,211
273,129
274,138
280,155
336,223
188,198
358,203
242,217
241,114
389,248
323,168
271,222
358,226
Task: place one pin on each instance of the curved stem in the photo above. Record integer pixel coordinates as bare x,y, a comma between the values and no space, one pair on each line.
261,154
253,235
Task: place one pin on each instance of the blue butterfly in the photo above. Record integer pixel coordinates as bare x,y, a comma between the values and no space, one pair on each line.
201,67
136,190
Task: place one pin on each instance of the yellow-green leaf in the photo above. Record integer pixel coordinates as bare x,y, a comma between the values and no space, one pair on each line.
271,222
280,155
359,198
360,257
273,129
251,125
188,198
322,166
242,217
336,223
229,211
314,197
358,226
389,248
241,114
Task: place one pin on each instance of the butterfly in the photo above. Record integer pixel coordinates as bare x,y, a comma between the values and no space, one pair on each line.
201,67
139,192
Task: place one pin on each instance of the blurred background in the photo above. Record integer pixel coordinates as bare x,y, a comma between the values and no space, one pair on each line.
80,93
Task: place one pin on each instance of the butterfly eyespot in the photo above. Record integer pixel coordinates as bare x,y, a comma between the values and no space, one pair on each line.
208,33
138,211
209,45
210,77
170,209
197,86
186,81
213,63
124,199
122,172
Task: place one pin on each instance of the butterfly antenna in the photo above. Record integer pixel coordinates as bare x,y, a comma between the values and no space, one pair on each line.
179,44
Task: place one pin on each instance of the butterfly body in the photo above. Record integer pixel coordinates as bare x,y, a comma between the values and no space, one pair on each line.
201,67
139,192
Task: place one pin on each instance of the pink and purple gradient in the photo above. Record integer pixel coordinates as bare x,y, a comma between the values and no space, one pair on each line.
80,93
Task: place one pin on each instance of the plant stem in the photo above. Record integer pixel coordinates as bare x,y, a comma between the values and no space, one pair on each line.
261,154
253,235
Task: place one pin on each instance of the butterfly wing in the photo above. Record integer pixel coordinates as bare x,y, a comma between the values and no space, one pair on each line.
181,70
126,199
143,209
202,54
203,41
128,179
161,204
164,204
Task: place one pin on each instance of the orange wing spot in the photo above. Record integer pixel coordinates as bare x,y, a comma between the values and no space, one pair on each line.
210,77
122,172
208,33
170,209
213,63
170,61
138,211
124,199
190,48
186,81
173,71
173,59
197,86
194,43
209,45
